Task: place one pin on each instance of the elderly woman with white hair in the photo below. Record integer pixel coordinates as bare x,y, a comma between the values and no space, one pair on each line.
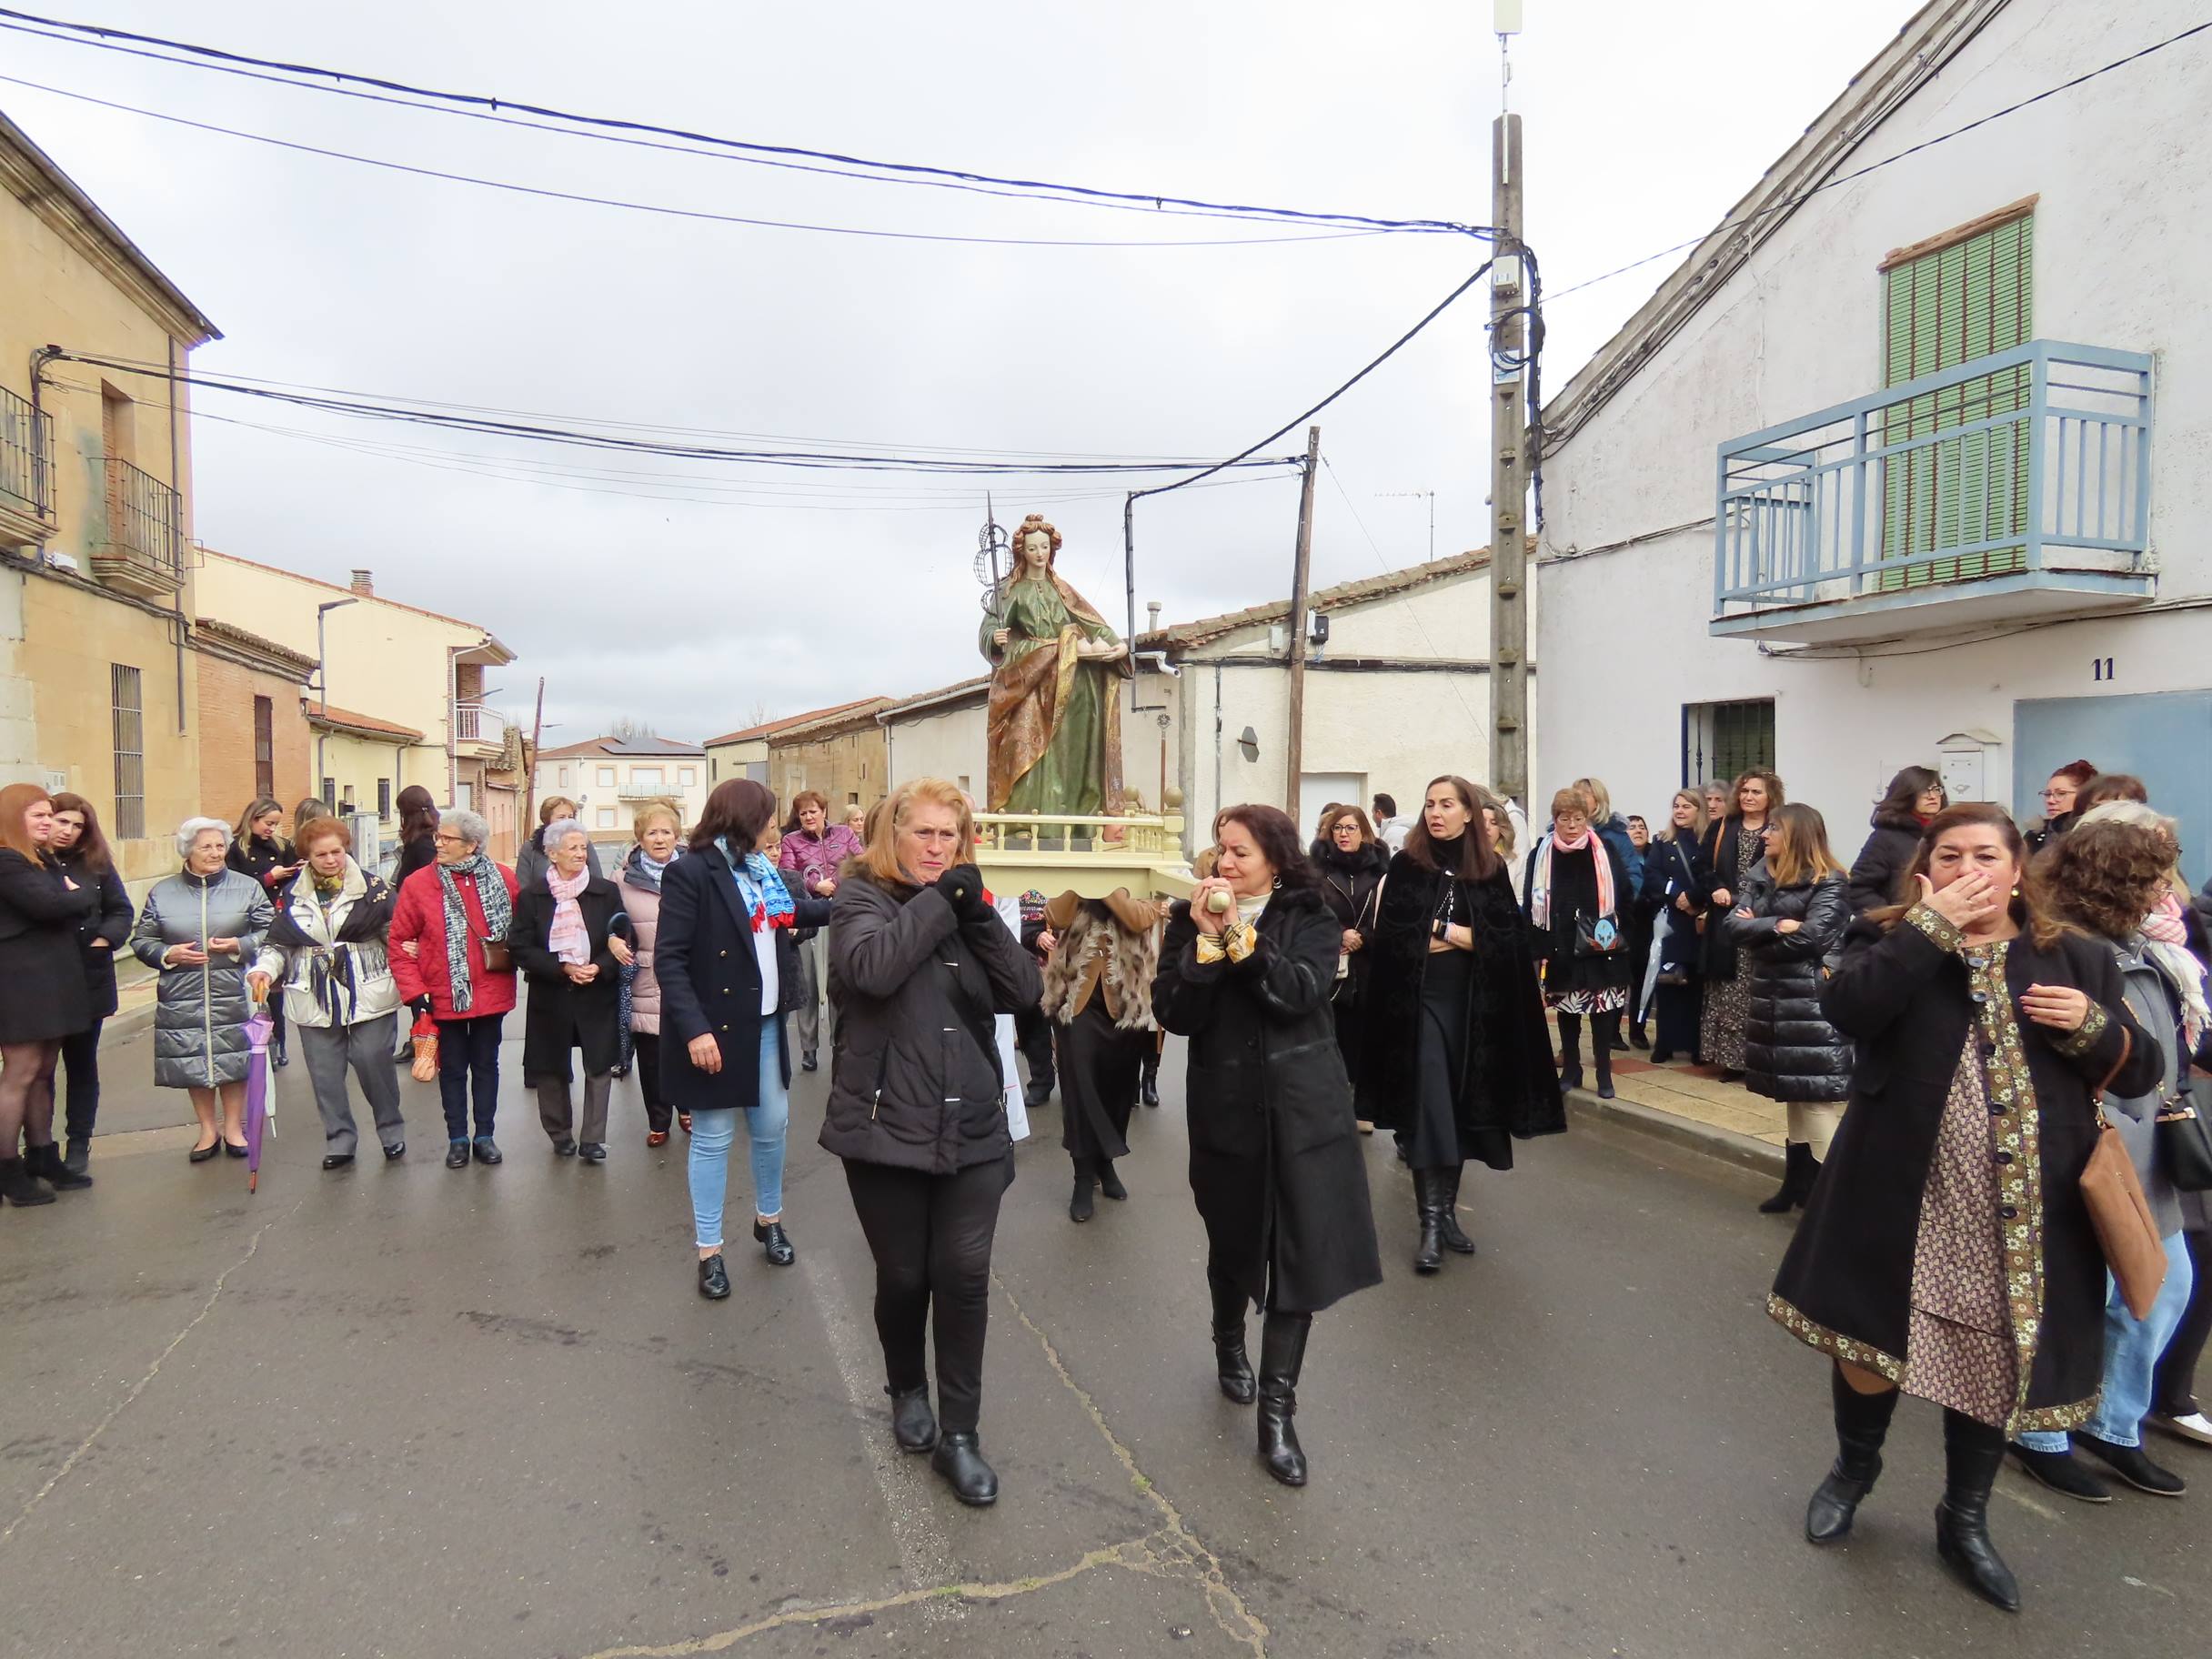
200,927
571,937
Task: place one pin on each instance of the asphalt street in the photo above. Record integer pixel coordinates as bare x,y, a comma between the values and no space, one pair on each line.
408,1412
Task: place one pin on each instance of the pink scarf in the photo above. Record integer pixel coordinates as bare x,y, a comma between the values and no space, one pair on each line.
1574,845
568,938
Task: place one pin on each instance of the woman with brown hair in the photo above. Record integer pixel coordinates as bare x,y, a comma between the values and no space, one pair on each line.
1275,1164
1734,845
1947,1251
47,997
1676,880
1913,797
1576,900
81,851
1454,1056
1351,863
814,851
2060,803
1789,919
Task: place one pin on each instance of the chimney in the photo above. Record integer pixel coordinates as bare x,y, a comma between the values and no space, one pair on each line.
363,585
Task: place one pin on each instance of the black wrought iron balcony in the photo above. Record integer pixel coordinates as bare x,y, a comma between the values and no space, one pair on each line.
145,529
24,444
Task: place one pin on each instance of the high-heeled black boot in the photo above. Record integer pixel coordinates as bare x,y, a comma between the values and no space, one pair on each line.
1570,1052
1283,1353
1605,1037
1447,1213
1232,1364
1798,1172
1862,1424
1079,1202
1148,1080
1972,1452
1428,1204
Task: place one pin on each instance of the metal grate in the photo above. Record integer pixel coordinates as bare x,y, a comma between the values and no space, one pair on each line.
264,747
143,515
126,720
1720,741
23,435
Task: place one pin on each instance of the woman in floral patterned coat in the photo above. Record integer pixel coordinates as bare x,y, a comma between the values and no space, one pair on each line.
1946,1252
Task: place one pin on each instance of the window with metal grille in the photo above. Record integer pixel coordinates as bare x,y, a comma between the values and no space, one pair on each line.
1947,306
1720,742
384,798
126,726
264,747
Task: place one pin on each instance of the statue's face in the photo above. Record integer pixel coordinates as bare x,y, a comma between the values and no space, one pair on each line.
1037,551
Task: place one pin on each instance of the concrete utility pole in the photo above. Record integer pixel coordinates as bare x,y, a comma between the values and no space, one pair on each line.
1295,749
1508,473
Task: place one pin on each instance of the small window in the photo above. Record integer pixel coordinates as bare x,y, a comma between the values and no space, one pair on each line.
264,747
964,789
714,770
345,806
464,795
384,798
330,792
852,799
1720,742
127,724
686,776
563,782
607,817
606,777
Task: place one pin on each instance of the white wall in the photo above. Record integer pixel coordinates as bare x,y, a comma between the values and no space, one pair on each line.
2123,236
943,742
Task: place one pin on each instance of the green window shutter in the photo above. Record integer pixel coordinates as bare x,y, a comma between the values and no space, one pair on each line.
1947,307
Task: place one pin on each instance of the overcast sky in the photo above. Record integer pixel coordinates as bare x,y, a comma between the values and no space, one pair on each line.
1644,122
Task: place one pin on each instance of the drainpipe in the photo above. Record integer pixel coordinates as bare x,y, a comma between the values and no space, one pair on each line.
177,532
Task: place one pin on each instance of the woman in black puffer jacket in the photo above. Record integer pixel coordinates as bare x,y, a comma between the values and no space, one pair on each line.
1791,918
920,966
1914,797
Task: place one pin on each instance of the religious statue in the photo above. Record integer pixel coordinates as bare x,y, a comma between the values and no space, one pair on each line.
1055,712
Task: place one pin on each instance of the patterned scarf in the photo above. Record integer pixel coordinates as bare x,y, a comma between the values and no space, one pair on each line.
1540,887
2166,942
568,938
491,895
759,888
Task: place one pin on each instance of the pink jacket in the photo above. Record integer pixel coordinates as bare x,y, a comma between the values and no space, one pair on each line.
814,856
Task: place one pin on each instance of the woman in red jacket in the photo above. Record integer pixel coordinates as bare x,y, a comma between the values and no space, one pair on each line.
445,917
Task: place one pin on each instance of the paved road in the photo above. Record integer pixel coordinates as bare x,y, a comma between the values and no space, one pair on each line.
412,1413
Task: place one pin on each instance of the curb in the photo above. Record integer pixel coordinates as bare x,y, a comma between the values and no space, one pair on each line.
1724,1144
128,1023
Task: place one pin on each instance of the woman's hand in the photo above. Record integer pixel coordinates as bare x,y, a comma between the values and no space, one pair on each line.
620,949
184,956
1972,899
257,987
1789,924
413,947
826,887
705,1054
2060,1007
1722,896
1455,938
1201,909
580,973
223,946
1351,940
1681,903
1742,913
69,886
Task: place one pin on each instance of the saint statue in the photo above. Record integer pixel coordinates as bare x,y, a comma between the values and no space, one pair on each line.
1055,709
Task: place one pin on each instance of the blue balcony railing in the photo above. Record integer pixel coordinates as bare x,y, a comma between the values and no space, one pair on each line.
2027,470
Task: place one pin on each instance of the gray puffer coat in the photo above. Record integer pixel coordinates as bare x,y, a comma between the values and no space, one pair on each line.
916,1083
201,1014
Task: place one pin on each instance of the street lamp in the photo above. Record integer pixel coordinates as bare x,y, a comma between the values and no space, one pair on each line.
322,683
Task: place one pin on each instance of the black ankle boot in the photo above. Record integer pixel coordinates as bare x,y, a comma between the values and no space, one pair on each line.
1447,1213
1862,1423
1079,1203
1283,1353
1972,1452
1232,1364
1798,1172
1110,1183
18,1185
1604,1040
1428,1203
913,1423
45,1162
959,1458
1148,1087
1570,1054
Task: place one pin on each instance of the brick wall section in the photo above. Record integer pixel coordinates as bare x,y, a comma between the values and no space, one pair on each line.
226,693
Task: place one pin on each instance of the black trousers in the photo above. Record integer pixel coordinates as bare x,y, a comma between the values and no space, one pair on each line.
1033,1037
81,1059
468,1048
659,1113
931,1236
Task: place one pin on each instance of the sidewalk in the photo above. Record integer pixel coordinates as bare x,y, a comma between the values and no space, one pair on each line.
1688,1105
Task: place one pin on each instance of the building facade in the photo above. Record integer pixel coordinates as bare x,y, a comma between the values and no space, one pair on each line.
744,753
609,779
252,718
840,754
1910,468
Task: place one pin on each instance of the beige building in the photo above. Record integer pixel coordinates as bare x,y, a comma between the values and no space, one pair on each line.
100,661
609,779
254,736
939,734
840,754
745,754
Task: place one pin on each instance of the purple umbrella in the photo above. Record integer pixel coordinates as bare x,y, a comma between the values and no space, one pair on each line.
260,1099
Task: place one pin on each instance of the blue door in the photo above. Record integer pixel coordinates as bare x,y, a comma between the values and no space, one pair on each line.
2164,737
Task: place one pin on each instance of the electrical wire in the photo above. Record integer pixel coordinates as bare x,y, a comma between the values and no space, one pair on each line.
103,36
1845,178
548,194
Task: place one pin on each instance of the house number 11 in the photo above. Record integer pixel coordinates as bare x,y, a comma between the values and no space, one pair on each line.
2100,667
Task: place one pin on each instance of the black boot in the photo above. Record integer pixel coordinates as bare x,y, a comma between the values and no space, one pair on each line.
1570,1052
913,1423
79,1155
1605,1037
1971,1454
1638,1037
1448,1210
1862,1423
959,1458
1110,1183
1079,1204
1148,1087
1231,1363
1798,1172
1428,1203
18,1185
45,1161
1282,1353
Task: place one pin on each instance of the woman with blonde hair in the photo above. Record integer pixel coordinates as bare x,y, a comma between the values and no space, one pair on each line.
921,965
1498,820
659,827
1676,880
1790,918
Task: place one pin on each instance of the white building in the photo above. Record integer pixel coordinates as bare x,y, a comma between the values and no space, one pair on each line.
1871,478
609,779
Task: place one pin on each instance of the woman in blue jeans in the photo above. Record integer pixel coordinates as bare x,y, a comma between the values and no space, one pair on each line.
2107,877
728,972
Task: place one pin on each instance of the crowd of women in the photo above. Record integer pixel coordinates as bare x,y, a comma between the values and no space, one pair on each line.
1953,1022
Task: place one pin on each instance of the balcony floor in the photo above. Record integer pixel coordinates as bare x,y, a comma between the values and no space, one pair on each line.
1946,608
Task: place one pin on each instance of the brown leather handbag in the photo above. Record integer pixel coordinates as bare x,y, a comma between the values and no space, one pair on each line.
2117,1208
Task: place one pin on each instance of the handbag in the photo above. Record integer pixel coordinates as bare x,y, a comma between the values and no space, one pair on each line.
2117,1208
2185,1144
497,957
1601,936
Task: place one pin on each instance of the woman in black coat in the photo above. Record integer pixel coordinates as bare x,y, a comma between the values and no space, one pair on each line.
43,994
1790,920
1734,845
1576,900
920,966
569,937
82,850
726,959
1275,1164
1351,863
1947,1251
1677,881
1456,1061
1907,807
257,849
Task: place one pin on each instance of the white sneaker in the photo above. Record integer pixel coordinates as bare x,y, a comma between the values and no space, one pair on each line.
2196,1426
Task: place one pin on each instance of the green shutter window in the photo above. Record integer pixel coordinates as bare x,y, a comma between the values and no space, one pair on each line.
1947,307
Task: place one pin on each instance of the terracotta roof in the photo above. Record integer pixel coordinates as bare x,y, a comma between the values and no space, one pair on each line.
790,719
371,598
978,687
1183,635
227,633
634,749
330,714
